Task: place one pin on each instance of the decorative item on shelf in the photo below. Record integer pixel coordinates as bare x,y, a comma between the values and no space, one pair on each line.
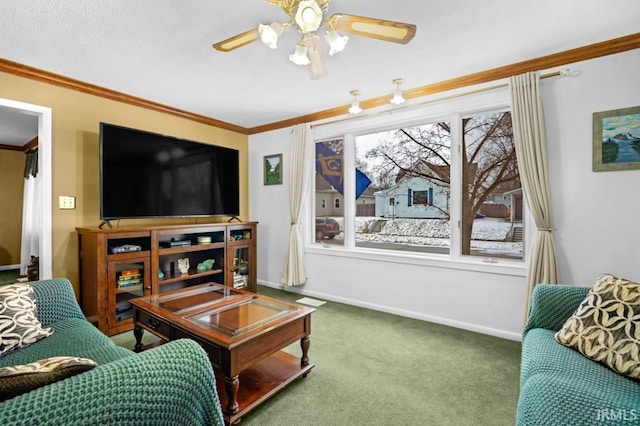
246,235
183,265
204,239
206,265
160,275
243,267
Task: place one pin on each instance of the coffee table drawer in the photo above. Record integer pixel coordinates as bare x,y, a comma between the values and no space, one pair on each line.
214,351
158,326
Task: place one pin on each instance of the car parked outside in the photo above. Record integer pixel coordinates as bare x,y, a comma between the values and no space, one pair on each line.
326,227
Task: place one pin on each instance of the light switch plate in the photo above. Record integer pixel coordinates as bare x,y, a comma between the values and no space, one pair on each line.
67,202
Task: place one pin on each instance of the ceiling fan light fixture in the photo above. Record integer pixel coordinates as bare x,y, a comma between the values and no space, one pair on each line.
308,16
317,59
397,98
269,34
337,43
299,56
355,104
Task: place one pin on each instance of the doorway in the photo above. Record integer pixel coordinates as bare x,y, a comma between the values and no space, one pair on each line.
43,115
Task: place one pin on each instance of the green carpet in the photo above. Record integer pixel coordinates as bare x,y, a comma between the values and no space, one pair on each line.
373,368
9,276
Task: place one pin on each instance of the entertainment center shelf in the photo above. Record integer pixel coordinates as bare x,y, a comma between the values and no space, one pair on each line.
120,264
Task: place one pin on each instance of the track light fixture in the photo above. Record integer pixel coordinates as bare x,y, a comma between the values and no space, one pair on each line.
355,104
397,98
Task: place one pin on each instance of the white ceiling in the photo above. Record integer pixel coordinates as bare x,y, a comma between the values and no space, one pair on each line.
160,50
17,127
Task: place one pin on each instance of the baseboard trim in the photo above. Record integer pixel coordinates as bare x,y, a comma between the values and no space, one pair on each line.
9,267
401,312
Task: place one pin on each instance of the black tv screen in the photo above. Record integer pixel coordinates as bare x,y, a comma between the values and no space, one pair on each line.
147,175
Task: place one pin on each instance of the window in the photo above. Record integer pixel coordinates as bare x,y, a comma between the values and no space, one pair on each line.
491,224
329,216
404,166
419,197
407,175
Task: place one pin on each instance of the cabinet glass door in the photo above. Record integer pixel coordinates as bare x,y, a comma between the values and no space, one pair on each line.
241,267
128,280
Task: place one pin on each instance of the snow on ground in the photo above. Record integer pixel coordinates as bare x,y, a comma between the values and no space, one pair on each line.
486,229
488,235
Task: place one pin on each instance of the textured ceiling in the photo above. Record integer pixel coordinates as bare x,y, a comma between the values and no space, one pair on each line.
161,50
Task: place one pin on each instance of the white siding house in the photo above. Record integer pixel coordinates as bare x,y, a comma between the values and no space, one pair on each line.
413,197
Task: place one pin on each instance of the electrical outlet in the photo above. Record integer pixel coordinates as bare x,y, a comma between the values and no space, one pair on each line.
67,202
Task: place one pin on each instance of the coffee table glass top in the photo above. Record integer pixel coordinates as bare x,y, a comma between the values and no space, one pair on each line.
191,299
242,316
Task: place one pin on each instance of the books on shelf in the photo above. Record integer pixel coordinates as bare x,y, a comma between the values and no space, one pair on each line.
130,277
239,281
129,272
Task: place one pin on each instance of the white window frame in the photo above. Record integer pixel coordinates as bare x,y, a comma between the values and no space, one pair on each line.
451,110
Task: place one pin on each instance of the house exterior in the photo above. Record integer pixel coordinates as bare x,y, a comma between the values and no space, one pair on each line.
413,197
330,202
513,200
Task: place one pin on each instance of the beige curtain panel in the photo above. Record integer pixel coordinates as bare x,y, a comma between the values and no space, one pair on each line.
531,147
295,270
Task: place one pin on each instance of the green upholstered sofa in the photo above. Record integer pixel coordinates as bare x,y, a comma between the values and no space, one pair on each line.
172,384
559,386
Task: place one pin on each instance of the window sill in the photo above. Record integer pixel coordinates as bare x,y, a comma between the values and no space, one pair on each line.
498,266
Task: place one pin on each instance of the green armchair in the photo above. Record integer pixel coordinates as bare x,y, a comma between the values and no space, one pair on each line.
172,384
559,386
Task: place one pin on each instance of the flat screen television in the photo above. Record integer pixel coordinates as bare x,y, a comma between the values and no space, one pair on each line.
148,175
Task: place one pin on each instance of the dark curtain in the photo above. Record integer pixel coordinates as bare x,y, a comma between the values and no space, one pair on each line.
31,163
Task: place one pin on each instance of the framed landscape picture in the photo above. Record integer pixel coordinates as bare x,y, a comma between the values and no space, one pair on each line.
272,169
616,139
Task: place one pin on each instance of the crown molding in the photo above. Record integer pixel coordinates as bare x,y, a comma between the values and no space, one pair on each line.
592,51
92,89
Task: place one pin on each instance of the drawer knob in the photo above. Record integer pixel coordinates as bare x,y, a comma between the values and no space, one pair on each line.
153,323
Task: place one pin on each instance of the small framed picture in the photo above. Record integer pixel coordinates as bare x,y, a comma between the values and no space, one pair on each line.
272,169
616,139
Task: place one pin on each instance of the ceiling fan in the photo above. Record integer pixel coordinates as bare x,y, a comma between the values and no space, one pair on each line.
307,16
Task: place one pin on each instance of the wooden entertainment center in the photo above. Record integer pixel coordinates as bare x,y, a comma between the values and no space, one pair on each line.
120,264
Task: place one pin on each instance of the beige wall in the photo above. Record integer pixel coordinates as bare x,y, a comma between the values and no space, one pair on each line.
11,187
75,169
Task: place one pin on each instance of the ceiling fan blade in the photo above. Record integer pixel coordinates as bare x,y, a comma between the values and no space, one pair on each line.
315,52
237,40
396,32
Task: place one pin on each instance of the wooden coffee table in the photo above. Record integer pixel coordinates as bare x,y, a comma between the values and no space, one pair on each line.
243,333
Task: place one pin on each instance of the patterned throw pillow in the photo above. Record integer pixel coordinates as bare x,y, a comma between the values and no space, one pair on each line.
18,379
19,325
606,326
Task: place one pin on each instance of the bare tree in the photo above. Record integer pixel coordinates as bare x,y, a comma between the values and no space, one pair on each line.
488,163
